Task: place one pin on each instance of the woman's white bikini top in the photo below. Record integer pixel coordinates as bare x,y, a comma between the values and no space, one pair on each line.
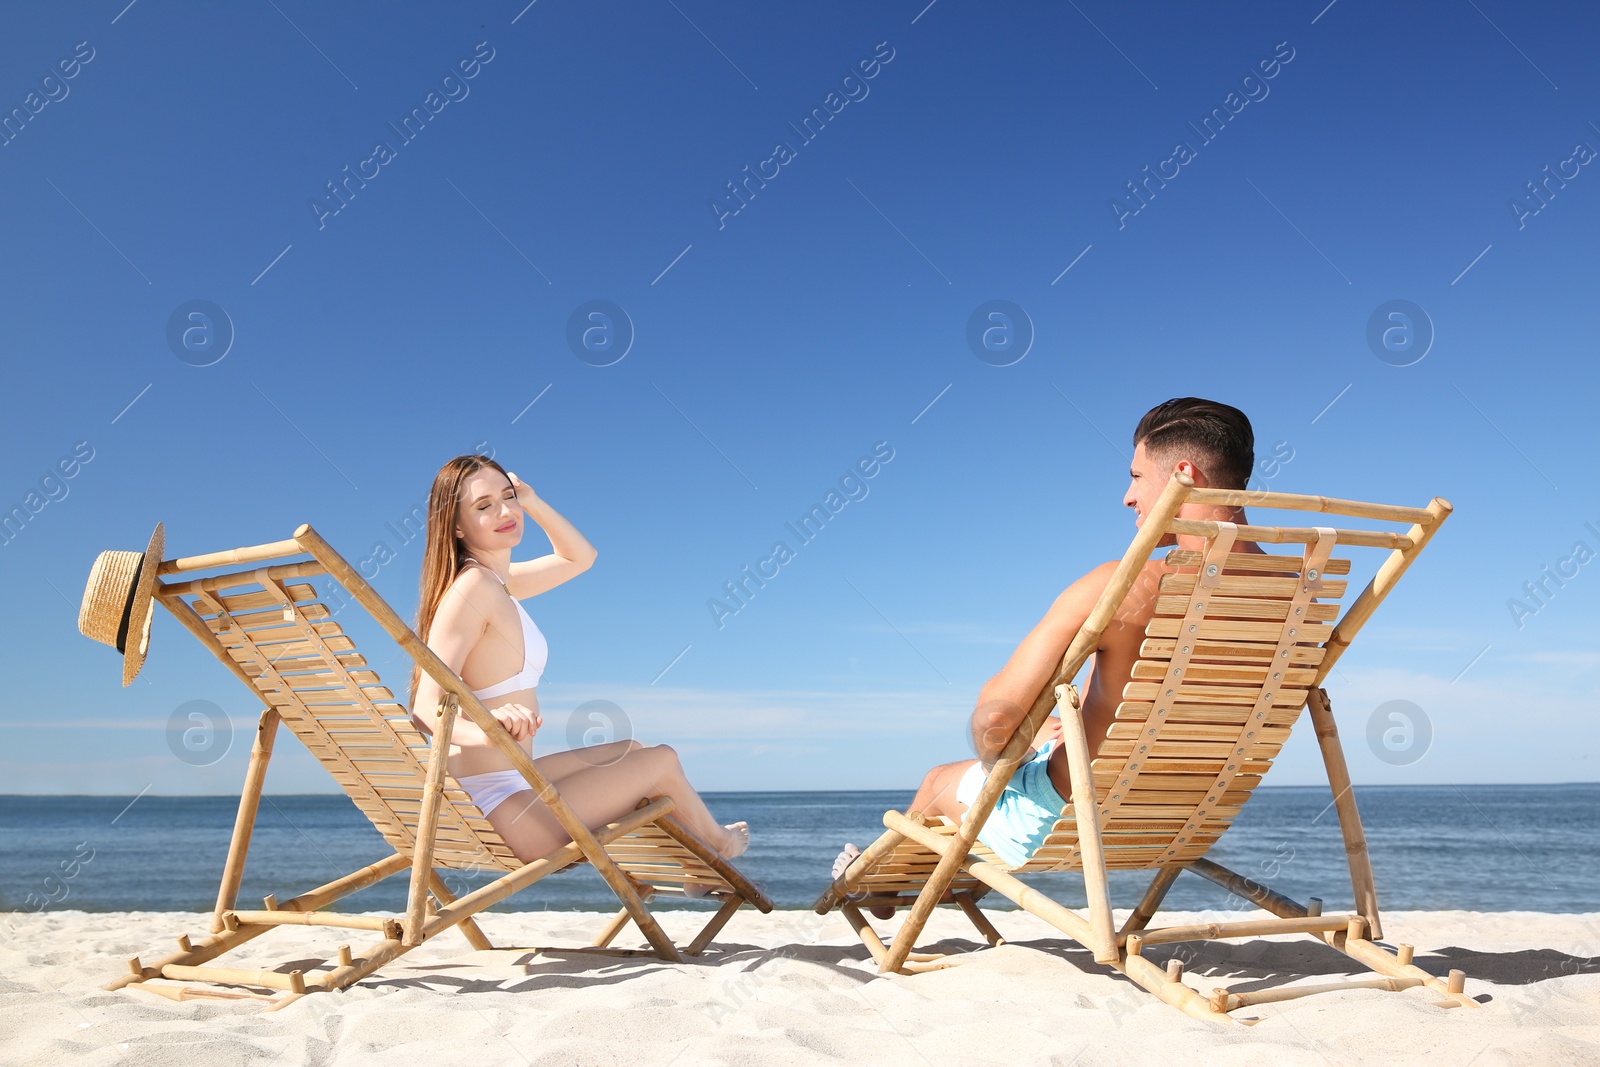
535,652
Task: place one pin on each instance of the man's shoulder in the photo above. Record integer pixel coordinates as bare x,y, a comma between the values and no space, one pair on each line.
1081,594
1097,578
1140,594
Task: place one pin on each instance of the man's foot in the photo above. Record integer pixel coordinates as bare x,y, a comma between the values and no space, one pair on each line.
738,839
845,858
842,863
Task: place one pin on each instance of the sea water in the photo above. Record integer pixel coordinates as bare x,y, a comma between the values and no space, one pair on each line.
1472,847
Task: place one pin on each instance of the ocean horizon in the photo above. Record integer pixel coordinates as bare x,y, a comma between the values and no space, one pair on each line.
1504,847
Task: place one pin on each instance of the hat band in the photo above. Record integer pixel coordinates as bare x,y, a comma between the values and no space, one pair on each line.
127,609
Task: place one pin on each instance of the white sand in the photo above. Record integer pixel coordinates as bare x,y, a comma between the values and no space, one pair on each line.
793,987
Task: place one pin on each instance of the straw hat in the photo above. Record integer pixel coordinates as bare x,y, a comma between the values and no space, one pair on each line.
117,601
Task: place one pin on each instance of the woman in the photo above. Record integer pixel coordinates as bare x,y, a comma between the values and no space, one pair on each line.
471,616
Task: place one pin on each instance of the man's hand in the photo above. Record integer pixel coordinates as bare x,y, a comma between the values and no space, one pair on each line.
1048,732
520,721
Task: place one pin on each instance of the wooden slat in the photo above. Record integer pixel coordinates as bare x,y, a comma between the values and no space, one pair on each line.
1249,585
1124,731
261,598
267,636
1232,651
1055,856
1361,509
1157,780
288,651
1222,630
1148,813
301,678
1283,696
253,660
274,615
1060,845
1233,672
1108,765
1291,535
1250,561
1230,607
1188,749
1181,803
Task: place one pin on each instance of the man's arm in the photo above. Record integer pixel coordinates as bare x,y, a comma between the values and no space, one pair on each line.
1005,699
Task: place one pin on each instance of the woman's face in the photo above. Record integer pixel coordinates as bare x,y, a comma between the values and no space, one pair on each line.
488,516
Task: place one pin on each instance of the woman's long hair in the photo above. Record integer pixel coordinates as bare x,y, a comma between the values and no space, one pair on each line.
443,551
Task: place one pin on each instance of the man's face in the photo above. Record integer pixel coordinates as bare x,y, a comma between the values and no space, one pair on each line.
1146,482
1146,479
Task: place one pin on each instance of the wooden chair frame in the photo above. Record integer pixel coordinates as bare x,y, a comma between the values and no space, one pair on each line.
651,844
963,870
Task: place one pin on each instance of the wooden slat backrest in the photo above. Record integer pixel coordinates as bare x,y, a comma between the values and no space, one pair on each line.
1230,652
305,665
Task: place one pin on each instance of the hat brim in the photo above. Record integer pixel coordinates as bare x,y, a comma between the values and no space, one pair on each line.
142,611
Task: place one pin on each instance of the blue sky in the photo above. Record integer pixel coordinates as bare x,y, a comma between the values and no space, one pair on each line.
772,348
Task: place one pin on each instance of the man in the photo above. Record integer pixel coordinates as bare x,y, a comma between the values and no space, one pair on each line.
1213,444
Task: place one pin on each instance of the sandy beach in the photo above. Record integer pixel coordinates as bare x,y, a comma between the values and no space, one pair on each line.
793,987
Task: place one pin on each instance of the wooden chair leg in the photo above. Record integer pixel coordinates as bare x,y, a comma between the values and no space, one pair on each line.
244,823
969,905
1344,802
469,927
1359,947
609,932
905,939
198,952
428,823
1087,807
714,926
864,930
1174,991
1151,901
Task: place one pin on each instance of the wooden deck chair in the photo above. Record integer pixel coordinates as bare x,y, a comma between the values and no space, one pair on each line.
266,625
1236,647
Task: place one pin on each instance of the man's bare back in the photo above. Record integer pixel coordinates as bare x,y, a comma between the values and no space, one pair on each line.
1111,667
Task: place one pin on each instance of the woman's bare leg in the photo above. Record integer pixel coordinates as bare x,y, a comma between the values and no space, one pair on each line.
557,765
602,793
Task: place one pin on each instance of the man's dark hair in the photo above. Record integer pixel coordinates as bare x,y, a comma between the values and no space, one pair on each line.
1219,434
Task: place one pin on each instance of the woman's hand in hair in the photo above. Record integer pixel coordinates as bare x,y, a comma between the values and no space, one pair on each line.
520,721
525,494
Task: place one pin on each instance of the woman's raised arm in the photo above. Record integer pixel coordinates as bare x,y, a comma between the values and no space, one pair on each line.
572,556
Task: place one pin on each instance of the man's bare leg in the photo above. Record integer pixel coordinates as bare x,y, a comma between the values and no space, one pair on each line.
935,796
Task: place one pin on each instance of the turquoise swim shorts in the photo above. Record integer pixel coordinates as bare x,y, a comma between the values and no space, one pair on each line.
1026,812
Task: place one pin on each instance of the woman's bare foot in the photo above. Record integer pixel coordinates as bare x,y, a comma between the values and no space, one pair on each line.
738,839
